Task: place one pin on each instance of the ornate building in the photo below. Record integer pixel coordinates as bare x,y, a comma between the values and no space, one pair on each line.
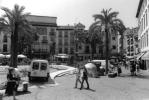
143,33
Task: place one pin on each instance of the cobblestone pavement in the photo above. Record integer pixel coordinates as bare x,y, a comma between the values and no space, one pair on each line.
125,87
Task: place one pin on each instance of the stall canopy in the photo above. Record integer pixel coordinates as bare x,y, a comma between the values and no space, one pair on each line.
145,56
19,56
22,56
139,56
8,56
2,56
62,56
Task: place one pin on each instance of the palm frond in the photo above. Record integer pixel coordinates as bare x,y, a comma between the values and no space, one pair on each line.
98,17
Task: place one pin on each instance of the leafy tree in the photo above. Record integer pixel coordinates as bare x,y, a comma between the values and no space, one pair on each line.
109,22
15,20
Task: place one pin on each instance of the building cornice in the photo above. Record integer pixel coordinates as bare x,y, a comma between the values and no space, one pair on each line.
139,8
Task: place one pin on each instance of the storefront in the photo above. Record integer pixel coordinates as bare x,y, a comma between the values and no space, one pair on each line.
145,60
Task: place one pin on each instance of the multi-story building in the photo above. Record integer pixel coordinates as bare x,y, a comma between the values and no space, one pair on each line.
46,30
61,40
131,42
115,44
65,40
143,33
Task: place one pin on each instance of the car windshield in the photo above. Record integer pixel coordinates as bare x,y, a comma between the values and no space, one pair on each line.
43,66
35,65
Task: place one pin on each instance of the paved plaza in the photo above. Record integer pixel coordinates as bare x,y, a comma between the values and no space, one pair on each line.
125,87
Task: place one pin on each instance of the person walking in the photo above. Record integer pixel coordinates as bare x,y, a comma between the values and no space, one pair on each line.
84,78
119,70
78,75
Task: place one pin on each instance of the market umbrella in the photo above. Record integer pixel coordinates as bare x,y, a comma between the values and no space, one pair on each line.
8,56
2,56
92,69
22,56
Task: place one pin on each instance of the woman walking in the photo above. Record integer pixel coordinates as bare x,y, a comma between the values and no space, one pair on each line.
84,78
78,75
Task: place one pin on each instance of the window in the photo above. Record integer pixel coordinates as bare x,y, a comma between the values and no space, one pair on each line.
132,54
113,47
87,49
60,50
66,42
147,38
146,18
35,65
132,48
60,42
71,50
44,39
41,30
66,34
113,38
60,34
52,32
131,41
5,38
43,66
5,48
66,50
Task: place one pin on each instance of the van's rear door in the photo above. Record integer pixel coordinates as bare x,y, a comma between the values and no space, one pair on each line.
35,68
44,69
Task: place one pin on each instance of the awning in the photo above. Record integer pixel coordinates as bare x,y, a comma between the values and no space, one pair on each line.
145,56
140,55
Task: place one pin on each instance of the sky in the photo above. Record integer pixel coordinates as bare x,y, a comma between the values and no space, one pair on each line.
75,11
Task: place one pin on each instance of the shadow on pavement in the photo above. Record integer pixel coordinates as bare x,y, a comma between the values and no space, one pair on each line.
91,90
22,93
39,82
135,76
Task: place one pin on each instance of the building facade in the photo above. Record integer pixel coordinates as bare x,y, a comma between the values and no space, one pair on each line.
5,42
65,40
143,33
54,39
131,43
46,30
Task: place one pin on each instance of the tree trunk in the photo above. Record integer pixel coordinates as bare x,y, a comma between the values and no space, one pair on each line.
107,48
14,47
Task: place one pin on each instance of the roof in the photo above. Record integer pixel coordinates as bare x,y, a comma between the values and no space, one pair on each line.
65,27
41,19
139,8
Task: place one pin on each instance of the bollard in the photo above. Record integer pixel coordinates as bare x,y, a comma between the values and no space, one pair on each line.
25,86
1,96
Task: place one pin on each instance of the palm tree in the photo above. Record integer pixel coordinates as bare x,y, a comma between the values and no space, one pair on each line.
15,20
109,21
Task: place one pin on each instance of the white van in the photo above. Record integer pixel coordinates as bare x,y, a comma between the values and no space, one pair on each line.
39,69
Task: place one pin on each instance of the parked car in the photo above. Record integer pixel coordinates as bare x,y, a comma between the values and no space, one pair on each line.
101,66
39,69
